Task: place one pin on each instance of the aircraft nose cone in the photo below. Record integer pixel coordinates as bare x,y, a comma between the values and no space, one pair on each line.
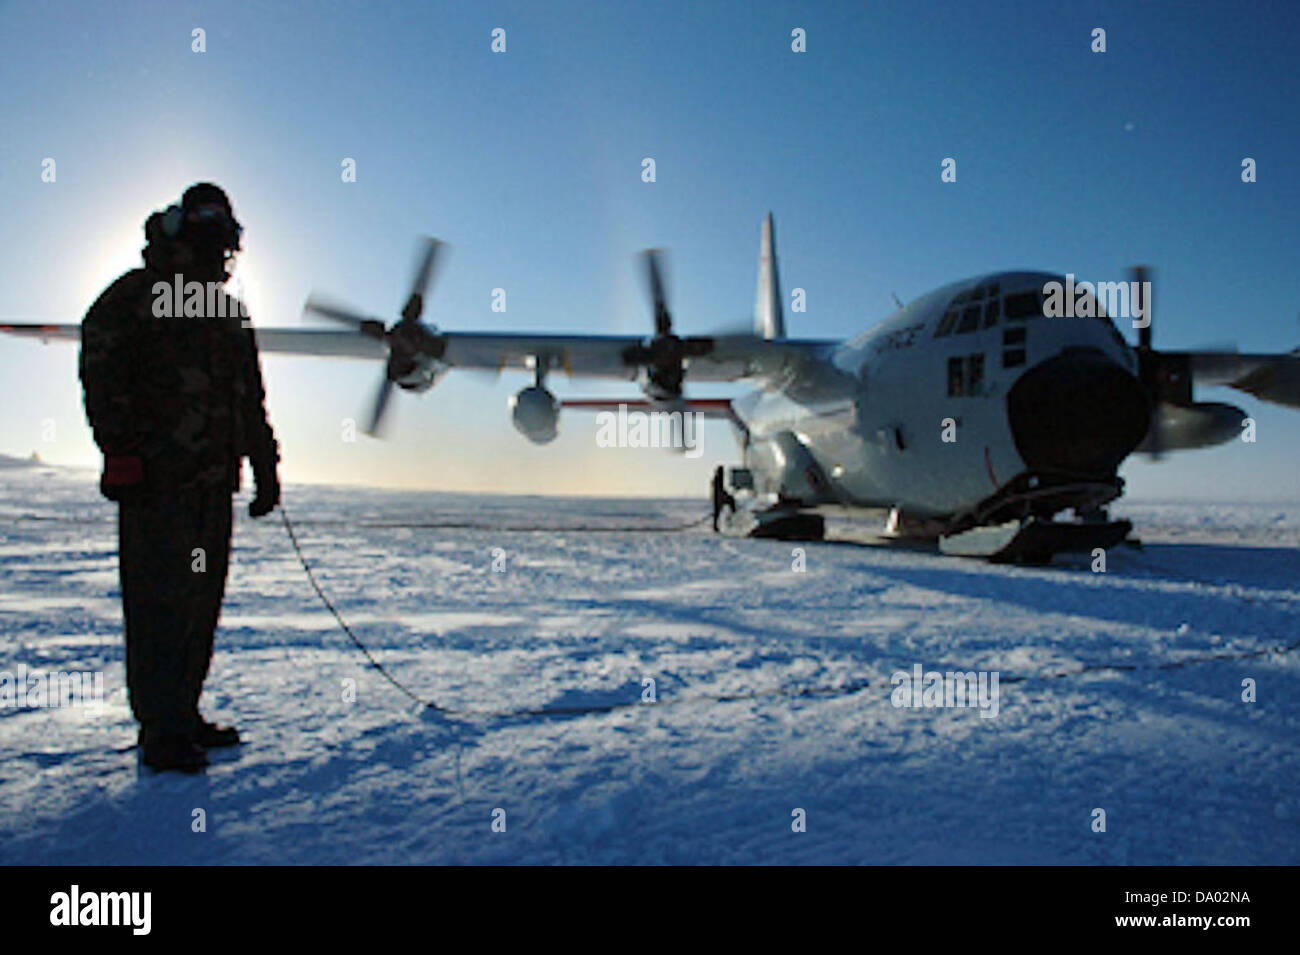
1080,413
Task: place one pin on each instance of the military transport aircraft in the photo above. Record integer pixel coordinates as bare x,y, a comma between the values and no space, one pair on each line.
969,415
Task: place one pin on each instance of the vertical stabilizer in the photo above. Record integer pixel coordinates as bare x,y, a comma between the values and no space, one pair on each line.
769,319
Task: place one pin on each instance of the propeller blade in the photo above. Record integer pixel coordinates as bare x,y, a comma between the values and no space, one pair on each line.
1141,275
654,278
1155,434
423,276
336,313
381,405
1148,359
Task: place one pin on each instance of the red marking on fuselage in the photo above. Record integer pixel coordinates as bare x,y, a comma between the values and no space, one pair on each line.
988,463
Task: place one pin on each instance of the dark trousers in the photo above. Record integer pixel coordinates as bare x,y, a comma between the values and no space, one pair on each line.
171,601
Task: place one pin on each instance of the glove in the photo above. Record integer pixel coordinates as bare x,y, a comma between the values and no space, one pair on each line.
123,476
267,494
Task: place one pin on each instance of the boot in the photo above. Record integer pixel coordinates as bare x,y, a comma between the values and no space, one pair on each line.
213,736
180,753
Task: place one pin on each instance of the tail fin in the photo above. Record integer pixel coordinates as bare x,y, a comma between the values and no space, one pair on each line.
769,320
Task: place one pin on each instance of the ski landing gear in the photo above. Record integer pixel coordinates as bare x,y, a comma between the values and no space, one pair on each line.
777,523
1034,540
789,525
782,521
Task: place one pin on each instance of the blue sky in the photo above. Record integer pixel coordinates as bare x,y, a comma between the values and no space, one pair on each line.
528,163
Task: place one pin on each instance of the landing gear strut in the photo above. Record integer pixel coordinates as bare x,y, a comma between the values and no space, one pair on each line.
782,521
721,497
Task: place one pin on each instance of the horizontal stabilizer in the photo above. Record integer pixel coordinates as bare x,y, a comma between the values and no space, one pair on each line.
44,332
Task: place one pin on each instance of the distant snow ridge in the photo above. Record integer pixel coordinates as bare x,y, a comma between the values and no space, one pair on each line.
9,461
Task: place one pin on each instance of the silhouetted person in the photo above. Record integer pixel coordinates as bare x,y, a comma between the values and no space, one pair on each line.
175,401
720,497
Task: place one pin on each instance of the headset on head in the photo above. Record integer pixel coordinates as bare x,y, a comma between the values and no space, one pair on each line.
173,220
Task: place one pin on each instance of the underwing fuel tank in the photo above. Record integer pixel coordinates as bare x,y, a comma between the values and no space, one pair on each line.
535,413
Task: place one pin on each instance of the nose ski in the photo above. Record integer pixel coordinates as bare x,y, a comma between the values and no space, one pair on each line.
1034,540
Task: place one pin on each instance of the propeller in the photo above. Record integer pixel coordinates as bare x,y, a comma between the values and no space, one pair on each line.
664,356
406,340
325,308
1140,276
1148,360
1167,376
655,283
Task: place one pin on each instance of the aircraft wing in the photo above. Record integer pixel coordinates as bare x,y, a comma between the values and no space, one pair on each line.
323,342
719,358
592,356
1274,378
319,342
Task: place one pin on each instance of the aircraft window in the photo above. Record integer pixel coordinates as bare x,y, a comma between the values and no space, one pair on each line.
993,290
1013,358
991,313
970,319
1014,335
945,326
955,379
1024,305
974,373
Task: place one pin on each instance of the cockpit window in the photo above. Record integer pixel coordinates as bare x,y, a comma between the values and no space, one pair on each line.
970,319
946,323
1024,305
991,311
971,310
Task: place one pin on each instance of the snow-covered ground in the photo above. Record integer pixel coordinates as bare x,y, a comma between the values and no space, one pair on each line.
1185,770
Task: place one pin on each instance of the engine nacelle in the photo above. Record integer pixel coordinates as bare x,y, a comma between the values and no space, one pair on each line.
1201,424
535,413
421,374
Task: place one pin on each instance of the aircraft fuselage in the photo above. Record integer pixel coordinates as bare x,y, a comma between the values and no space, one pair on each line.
946,403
